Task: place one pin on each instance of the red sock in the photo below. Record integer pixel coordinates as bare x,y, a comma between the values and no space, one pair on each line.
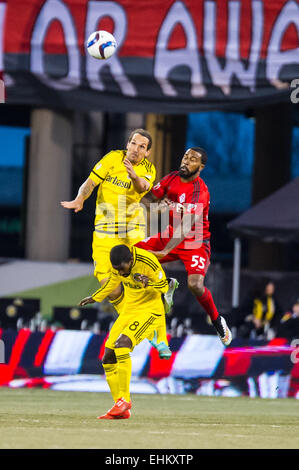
207,303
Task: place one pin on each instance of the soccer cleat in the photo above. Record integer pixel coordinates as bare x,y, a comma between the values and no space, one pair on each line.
223,331
173,284
125,415
162,348
119,407
164,351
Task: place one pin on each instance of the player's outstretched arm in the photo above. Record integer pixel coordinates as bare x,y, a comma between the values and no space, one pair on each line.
149,201
84,192
86,301
154,204
149,198
178,235
108,287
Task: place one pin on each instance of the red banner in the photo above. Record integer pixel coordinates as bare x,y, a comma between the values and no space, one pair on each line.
172,56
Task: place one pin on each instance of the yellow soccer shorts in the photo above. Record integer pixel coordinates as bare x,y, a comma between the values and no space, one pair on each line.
136,327
101,247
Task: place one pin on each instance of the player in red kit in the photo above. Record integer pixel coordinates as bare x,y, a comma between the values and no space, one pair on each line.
187,237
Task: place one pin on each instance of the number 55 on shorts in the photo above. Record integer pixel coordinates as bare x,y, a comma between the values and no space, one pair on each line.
198,261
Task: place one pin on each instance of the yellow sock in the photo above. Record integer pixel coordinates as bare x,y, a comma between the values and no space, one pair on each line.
119,303
161,332
112,377
124,371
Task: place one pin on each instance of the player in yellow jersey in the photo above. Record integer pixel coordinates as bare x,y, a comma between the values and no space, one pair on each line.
144,281
123,178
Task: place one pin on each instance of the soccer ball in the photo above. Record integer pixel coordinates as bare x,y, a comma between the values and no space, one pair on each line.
101,45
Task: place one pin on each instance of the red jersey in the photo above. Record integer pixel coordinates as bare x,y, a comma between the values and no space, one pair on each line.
194,196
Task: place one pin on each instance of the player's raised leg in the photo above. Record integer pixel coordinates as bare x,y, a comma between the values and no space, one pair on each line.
173,284
205,299
159,340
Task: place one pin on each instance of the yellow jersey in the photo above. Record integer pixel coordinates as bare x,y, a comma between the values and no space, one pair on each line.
118,212
136,296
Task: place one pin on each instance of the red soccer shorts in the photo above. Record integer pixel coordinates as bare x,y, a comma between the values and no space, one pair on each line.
196,259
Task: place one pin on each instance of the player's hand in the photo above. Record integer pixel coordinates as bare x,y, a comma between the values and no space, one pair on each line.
163,205
130,169
85,301
180,208
76,204
159,254
167,201
257,323
143,279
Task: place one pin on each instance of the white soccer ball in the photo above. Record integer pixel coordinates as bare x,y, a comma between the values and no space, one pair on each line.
101,45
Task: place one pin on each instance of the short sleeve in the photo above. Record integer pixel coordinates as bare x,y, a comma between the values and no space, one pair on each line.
150,176
159,281
100,170
147,171
160,189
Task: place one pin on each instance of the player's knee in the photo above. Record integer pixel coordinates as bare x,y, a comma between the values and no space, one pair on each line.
195,285
109,357
123,342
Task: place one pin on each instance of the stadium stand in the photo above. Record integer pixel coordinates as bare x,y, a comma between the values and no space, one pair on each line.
17,312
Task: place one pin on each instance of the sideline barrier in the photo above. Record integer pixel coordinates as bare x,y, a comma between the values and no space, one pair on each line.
199,364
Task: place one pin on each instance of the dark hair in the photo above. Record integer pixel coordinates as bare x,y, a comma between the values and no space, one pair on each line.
260,287
144,133
203,153
119,254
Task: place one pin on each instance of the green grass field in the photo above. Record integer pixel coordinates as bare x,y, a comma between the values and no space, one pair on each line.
46,419
61,294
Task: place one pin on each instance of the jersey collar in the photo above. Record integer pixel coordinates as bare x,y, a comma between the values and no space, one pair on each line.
198,178
141,161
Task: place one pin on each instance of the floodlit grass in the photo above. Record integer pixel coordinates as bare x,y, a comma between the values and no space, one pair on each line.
61,294
46,419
